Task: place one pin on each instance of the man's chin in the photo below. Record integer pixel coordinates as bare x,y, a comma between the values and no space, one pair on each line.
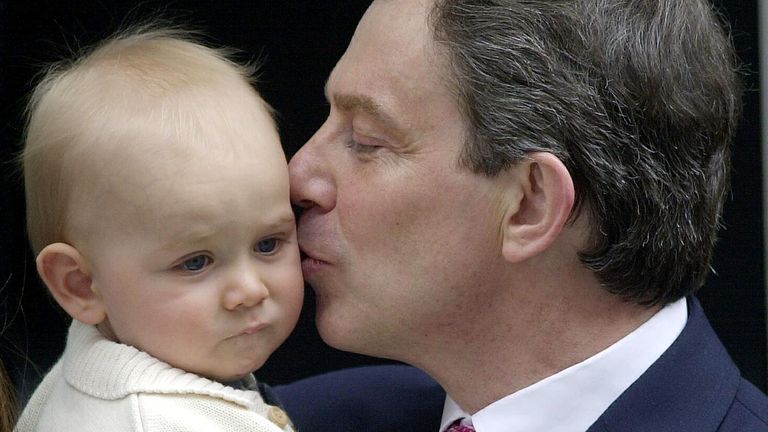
335,331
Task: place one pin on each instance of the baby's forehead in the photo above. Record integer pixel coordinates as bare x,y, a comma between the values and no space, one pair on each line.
145,122
167,86
154,157
160,159
154,192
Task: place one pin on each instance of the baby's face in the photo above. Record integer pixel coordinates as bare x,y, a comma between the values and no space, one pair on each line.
203,271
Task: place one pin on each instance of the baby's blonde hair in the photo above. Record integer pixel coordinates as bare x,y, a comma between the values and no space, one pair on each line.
139,81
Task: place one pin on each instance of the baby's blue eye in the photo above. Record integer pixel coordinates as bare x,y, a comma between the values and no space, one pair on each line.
267,246
195,264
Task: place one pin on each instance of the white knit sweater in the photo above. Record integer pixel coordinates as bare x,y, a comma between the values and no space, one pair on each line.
99,385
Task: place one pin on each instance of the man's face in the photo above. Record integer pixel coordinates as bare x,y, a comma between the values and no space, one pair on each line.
199,265
398,237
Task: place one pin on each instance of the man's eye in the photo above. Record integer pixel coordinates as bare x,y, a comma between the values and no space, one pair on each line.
267,246
195,264
361,148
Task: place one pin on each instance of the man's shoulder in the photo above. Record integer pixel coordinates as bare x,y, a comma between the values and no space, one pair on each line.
370,398
694,386
748,412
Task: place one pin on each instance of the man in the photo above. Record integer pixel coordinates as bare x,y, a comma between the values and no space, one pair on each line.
520,198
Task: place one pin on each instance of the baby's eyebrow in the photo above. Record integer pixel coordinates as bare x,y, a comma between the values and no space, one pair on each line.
188,236
201,232
282,221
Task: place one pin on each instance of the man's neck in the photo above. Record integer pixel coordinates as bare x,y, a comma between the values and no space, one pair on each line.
522,341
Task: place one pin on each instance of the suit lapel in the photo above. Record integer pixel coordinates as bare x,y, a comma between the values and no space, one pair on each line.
689,388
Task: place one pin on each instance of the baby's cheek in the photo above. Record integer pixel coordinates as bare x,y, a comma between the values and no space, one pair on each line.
294,298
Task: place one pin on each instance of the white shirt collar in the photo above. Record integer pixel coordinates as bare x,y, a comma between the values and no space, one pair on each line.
573,399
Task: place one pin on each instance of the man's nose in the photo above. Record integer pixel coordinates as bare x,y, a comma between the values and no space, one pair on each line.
311,175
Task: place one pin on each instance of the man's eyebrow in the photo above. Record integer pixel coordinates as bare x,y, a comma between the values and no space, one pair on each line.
364,104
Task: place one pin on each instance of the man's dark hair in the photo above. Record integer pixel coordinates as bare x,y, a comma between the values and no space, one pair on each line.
638,98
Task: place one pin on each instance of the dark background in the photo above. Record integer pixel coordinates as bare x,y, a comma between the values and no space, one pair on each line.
300,42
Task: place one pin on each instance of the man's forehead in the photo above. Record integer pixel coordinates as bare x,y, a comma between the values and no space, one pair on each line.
378,53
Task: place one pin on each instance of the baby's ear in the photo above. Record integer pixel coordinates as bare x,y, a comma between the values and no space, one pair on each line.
64,271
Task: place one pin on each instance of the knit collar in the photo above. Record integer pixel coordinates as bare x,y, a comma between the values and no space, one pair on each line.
110,370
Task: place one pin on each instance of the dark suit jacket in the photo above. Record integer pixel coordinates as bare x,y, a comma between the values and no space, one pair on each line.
366,399
693,387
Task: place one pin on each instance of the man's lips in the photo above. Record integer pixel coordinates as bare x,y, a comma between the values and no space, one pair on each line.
310,264
311,256
315,243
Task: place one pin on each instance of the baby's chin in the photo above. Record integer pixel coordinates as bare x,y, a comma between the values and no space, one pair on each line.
232,375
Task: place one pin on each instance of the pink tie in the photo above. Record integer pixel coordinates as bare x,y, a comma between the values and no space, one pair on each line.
458,427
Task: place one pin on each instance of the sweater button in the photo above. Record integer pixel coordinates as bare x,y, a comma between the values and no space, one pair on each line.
278,416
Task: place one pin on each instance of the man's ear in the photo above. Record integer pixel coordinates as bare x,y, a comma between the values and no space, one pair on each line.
64,270
543,202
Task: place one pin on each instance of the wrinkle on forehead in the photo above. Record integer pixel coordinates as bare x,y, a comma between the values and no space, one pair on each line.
394,70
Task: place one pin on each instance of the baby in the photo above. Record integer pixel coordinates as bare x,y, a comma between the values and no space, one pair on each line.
158,207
